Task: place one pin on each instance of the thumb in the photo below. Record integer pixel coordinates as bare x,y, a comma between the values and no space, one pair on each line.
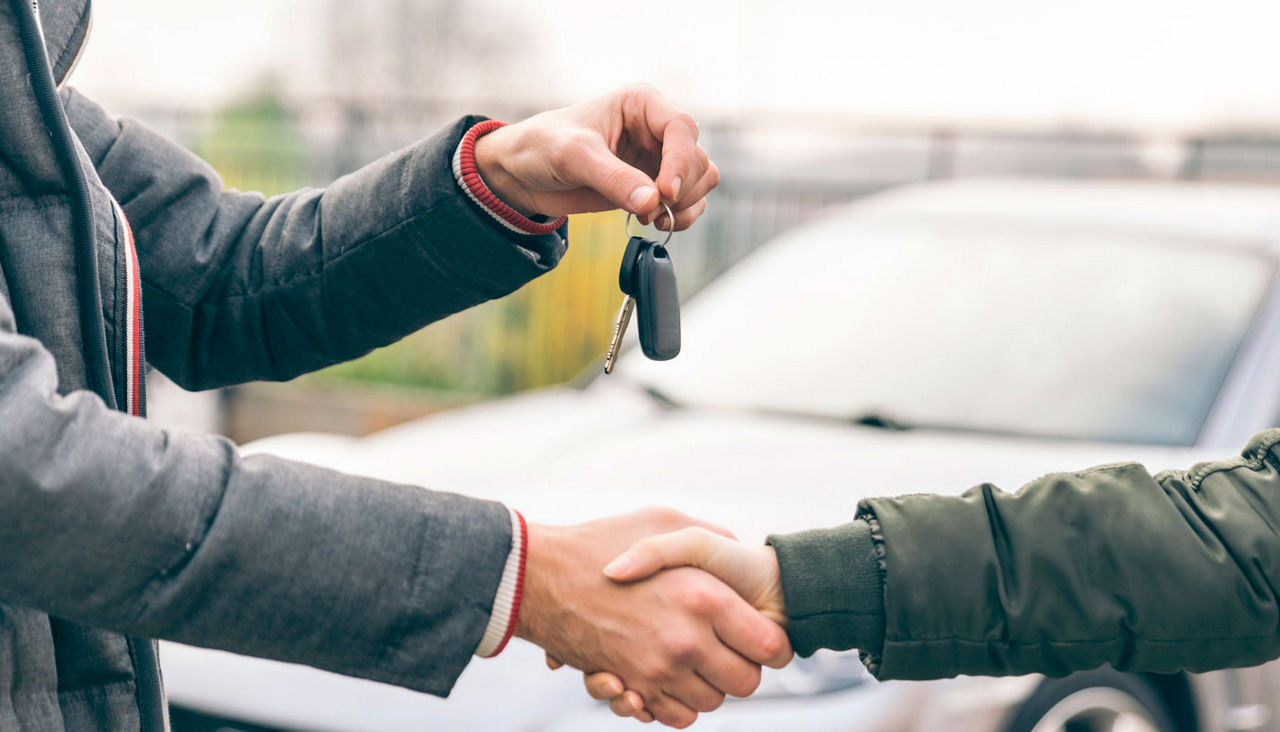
595,167
690,547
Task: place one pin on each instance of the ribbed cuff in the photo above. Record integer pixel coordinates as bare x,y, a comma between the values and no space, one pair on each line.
506,602
469,180
833,588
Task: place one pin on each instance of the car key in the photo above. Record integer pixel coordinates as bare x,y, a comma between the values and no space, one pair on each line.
619,329
626,277
647,280
657,304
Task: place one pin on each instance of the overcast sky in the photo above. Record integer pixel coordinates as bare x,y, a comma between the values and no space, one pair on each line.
1158,65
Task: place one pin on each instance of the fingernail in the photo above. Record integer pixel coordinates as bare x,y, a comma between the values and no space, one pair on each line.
614,689
617,566
641,196
675,188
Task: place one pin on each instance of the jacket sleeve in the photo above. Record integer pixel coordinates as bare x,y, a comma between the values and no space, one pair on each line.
237,287
114,523
1112,565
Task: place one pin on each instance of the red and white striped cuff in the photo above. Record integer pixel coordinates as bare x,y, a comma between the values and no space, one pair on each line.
506,602
469,180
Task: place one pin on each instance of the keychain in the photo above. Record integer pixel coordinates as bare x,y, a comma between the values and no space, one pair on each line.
647,279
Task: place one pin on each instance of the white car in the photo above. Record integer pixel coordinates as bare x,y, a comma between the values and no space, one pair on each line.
923,340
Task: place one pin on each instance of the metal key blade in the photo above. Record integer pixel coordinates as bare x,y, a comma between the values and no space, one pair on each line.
619,330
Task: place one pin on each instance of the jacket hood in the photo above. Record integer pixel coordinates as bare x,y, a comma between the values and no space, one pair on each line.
66,28
42,161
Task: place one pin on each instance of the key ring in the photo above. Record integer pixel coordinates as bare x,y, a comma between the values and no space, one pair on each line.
670,218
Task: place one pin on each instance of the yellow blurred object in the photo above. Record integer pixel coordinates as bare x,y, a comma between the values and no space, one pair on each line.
543,334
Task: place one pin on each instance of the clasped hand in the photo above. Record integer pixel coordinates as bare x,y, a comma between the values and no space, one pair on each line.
656,635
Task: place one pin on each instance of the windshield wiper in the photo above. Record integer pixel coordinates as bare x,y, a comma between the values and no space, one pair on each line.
661,398
880,421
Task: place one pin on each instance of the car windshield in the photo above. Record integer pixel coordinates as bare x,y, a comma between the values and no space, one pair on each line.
1034,328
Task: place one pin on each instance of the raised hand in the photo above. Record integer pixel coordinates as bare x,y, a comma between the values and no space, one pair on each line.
752,571
679,641
622,150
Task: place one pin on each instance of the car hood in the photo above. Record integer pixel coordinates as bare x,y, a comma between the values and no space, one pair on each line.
565,455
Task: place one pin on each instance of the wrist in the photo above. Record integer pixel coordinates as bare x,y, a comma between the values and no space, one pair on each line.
492,150
496,203
773,603
543,547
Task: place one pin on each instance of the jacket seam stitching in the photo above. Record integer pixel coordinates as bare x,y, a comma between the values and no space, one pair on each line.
1255,459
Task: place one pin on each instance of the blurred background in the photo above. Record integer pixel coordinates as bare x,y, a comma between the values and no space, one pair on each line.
1091,277
802,105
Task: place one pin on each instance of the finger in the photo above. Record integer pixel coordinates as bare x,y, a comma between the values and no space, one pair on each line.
671,711
684,219
644,716
554,663
627,704
692,183
694,692
679,135
695,193
731,673
693,546
759,639
603,685
592,165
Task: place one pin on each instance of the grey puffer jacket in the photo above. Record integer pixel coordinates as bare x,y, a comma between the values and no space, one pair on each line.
112,530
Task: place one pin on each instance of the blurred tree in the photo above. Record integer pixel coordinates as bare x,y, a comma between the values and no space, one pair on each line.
255,143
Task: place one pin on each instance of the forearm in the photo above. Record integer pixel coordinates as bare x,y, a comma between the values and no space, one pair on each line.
114,523
1106,566
238,287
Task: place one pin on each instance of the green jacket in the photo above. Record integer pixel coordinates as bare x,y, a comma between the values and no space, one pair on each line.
1106,566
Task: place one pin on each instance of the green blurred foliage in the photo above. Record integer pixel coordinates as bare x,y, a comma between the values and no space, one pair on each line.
255,144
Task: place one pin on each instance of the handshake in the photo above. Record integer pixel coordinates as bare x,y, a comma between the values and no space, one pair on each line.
663,613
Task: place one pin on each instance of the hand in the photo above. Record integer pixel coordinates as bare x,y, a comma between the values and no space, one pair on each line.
679,641
752,571
622,150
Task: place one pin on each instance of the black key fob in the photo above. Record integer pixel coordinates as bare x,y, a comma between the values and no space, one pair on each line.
657,302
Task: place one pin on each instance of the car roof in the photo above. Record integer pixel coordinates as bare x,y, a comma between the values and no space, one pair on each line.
1235,215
